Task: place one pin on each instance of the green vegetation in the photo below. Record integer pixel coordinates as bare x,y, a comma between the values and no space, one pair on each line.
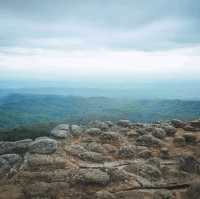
24,132
23,116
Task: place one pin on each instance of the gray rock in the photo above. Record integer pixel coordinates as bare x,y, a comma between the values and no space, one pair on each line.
132,134
142,131
193,191
149,141
100,125
159,133
109,123
195,123
145,154
110,148
123,130
92,176
38,161
96,147
162,195
9,191
189,164
93,157
154,161
76,130
110,137
147,171
124,123
43,145
75,149
179,141
178,123
117,175
4,167
188,127
164,153
61,131
13,160
134,194
93,131
127,151
14,147
169,129
104,195
44,190
190,138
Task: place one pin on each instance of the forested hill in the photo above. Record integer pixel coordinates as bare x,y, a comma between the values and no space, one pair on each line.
17,109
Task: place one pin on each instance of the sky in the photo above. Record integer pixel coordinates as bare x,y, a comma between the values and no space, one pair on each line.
99,40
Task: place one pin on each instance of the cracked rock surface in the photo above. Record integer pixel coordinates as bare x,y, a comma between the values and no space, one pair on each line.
105,160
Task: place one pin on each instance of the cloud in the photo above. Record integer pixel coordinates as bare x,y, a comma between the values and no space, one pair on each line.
101,64
100,39
127,24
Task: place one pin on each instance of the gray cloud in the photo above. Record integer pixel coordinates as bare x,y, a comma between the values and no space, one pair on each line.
123,24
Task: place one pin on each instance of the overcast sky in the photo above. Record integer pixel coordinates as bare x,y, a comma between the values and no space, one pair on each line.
99,39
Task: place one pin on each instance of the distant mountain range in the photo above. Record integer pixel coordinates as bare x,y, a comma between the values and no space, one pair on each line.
26,109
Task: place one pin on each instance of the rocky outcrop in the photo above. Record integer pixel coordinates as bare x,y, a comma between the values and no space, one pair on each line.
105,160
61,131
14,147
43,146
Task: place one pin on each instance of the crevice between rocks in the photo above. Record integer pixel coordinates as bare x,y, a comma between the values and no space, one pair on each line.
164,187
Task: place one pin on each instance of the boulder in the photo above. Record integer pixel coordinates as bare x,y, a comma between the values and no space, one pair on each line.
14,160
164,153
169,129
44,190
178,123
92,176
189,164
134,194
193,191
43,145
123,130
109,123
110,137
147,171
195,123
75,149
124,123
11,192
14,147
61,131
93,131
39,190
99,124
154,161
132,134
38,161
117,174
190,138
188,127
4,167
127,151
159,133
145,154
93,157
96,147
142,131
104,195
58,175
148,140
76,130
179,141
110,148
163,194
